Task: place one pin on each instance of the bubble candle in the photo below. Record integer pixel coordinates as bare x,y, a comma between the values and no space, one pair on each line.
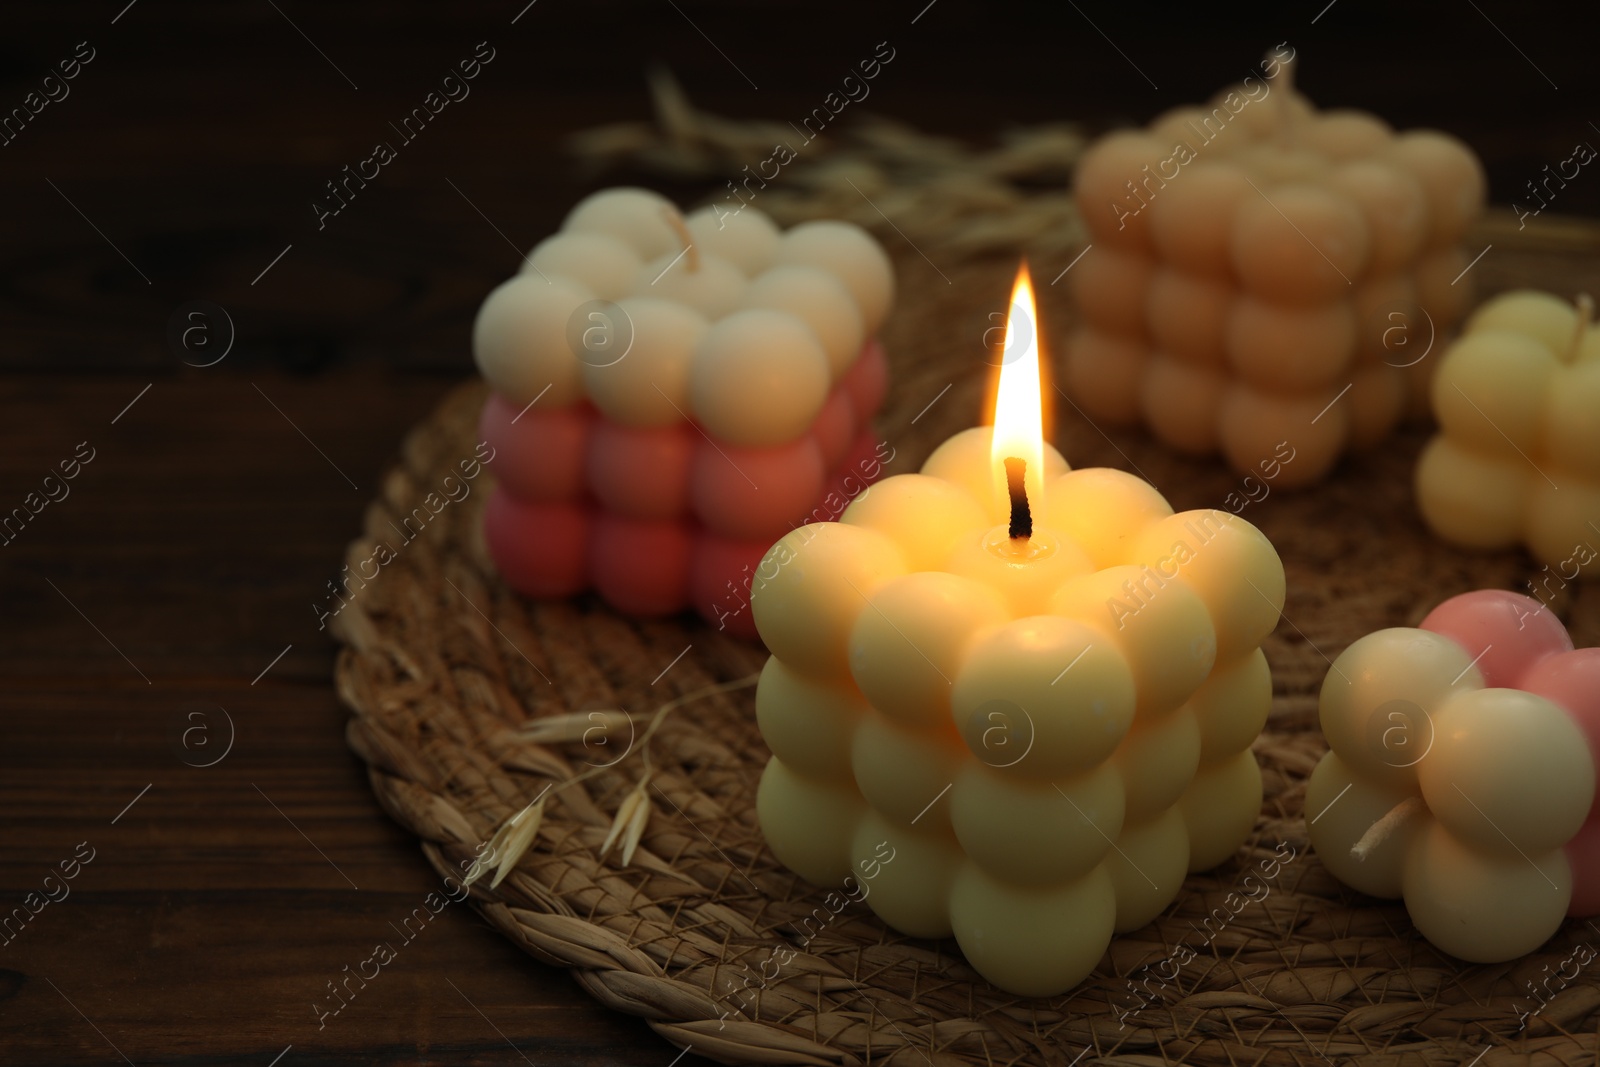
1037,685
1461,776
672,394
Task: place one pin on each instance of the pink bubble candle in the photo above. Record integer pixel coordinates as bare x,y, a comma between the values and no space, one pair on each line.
1461,775
672,395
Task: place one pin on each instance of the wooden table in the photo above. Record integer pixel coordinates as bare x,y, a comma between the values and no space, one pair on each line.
173,588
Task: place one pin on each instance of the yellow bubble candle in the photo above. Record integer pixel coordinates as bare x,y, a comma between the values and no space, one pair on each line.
1037,685
1517,457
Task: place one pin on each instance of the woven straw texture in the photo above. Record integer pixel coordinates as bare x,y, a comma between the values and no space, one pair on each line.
442,664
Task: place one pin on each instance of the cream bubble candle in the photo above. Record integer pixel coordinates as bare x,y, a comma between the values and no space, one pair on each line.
1038,685
1517,457
1461,776
1259,270
671,395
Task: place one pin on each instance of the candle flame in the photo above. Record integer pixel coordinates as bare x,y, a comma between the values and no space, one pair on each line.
1019,398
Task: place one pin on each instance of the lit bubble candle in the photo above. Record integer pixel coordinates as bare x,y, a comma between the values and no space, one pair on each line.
1038,685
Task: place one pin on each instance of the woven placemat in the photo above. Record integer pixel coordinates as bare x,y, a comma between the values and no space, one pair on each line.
443,664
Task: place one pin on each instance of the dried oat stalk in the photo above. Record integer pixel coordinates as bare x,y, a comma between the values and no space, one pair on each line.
514,837
574,726
1009,198
509,842
633,815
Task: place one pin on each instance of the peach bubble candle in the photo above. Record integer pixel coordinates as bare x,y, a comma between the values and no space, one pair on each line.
672,394
1259,270
1462,774
1037,685
1517,458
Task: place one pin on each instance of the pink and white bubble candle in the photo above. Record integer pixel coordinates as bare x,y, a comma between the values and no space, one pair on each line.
672,395
1462,774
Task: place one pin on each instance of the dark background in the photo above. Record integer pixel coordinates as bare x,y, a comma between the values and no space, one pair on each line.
185,158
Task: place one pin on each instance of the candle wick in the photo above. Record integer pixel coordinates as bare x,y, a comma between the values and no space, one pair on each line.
1585,317
1380,831
1021,516
1284,127
674,219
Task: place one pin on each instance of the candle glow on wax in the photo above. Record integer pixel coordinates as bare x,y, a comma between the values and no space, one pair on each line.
1019,400
973,695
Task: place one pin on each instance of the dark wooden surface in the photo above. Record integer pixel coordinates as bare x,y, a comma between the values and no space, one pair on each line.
191,550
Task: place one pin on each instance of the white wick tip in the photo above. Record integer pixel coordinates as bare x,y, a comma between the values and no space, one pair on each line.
1380,831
